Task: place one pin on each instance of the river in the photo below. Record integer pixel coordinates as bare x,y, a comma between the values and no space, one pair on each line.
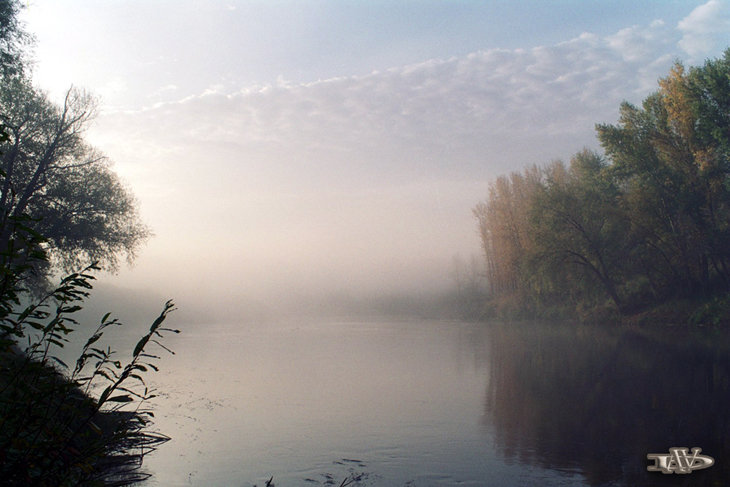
437,403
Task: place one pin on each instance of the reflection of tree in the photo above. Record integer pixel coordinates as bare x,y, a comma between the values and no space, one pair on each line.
596,401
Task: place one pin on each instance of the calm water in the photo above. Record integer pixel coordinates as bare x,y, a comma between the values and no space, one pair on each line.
438,403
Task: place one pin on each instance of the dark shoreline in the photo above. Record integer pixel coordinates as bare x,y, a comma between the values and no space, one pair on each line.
684,311
81,444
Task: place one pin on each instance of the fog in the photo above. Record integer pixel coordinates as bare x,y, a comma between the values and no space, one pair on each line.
281,194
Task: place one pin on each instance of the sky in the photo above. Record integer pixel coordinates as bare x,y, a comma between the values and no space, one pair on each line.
283,150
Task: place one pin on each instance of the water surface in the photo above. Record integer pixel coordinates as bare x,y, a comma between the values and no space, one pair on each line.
423,403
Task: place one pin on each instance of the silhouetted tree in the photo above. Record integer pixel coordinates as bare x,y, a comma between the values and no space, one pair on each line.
66,186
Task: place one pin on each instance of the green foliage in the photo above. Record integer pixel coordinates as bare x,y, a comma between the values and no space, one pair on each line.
672,157
713,312
578,235
649,223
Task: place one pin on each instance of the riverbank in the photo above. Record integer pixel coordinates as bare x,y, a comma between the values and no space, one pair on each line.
54,433
698,311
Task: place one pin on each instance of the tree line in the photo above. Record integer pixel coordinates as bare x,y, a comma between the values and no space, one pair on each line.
646,222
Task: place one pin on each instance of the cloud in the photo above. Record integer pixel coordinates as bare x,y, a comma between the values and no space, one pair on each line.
368,181
167,88
456,118
638,43
707,27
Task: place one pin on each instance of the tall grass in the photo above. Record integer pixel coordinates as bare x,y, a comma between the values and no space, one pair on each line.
88,423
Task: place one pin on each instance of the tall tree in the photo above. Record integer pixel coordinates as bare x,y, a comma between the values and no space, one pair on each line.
504,228
579,235
673,156
651,221
65,185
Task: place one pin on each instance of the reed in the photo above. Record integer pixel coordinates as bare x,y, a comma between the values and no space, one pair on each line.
89,424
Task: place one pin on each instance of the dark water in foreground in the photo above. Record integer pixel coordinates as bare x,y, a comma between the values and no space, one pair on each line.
440,403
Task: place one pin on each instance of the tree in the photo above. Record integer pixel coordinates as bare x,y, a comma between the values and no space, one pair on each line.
649,223
66,186
53,176
13,40
578,232
503,220
672,154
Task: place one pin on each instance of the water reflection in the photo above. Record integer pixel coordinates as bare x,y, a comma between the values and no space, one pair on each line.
595,401
311,403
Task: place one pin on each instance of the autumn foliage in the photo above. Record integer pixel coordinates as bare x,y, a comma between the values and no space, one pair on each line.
645,223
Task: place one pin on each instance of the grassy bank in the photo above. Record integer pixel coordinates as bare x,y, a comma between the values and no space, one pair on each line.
87,423
54,433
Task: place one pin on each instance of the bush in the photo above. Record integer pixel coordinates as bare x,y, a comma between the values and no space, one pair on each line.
713,312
